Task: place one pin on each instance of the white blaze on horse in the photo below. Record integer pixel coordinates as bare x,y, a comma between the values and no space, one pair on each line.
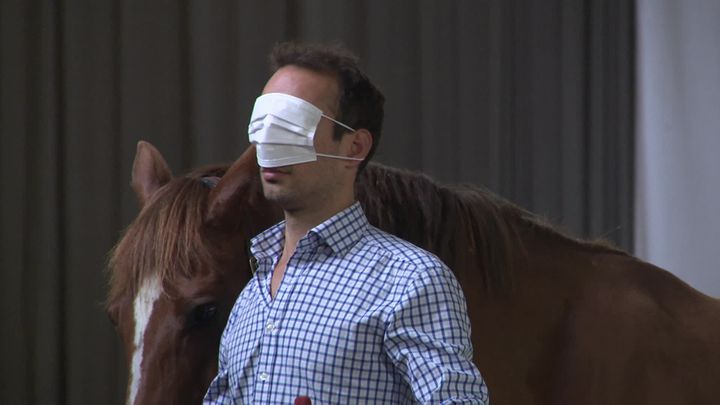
555,320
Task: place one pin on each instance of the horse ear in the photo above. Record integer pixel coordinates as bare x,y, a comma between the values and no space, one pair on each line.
149,172
237,191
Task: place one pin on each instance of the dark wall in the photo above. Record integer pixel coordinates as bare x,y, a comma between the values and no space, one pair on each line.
529,98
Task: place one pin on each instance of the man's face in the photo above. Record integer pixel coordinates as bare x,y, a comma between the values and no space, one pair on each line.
300,186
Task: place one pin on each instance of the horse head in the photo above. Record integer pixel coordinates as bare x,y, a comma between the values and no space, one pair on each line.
177,270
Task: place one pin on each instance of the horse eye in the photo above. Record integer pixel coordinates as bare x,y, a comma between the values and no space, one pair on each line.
202,314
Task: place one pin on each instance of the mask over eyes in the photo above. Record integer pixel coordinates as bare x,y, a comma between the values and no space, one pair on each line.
283,129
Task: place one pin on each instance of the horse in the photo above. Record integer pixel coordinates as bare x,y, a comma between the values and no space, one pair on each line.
555,319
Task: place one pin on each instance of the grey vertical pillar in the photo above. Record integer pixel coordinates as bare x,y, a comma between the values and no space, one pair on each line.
678,146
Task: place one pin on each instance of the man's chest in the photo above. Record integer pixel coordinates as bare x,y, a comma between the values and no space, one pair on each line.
318,319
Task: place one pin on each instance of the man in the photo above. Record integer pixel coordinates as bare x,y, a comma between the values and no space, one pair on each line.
338,310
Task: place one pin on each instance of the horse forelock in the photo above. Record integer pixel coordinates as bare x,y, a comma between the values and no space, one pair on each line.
165,240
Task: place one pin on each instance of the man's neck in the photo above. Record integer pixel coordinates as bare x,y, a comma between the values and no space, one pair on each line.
299,222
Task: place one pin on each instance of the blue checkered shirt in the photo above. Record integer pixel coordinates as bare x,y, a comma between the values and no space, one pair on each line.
361,316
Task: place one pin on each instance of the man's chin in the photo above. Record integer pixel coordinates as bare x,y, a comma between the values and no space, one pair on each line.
277,197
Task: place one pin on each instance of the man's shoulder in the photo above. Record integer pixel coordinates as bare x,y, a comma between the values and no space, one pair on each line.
400,250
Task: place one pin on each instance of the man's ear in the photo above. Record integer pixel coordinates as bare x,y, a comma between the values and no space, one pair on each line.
360,144
149,172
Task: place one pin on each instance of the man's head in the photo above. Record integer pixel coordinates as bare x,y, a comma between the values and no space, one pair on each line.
360,104
312,126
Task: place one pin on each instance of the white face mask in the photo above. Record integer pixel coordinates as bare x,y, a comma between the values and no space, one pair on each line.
283,129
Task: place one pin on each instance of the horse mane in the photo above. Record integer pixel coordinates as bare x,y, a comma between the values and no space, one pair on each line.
467,226
470,228
165,238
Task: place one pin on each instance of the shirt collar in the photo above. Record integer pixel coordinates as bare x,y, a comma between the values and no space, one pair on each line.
269,243
340,233
343,230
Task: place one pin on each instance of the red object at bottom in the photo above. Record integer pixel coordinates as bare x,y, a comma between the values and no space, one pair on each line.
303,401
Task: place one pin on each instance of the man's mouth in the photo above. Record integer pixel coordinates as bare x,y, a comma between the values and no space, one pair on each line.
273,173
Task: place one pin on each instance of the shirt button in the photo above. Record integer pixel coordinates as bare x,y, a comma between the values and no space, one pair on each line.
270,327
263,376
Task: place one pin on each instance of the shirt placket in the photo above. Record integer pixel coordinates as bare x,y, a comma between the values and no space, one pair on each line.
265,386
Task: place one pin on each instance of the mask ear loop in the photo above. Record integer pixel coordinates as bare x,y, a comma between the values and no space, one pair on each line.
335,156
338,157
339,123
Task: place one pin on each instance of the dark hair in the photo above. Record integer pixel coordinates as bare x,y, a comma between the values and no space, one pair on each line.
361,103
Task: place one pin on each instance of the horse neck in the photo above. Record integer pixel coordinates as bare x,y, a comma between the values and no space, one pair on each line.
467,228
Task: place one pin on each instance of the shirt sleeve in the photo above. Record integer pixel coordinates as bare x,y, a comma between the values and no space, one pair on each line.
219,392
428,340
